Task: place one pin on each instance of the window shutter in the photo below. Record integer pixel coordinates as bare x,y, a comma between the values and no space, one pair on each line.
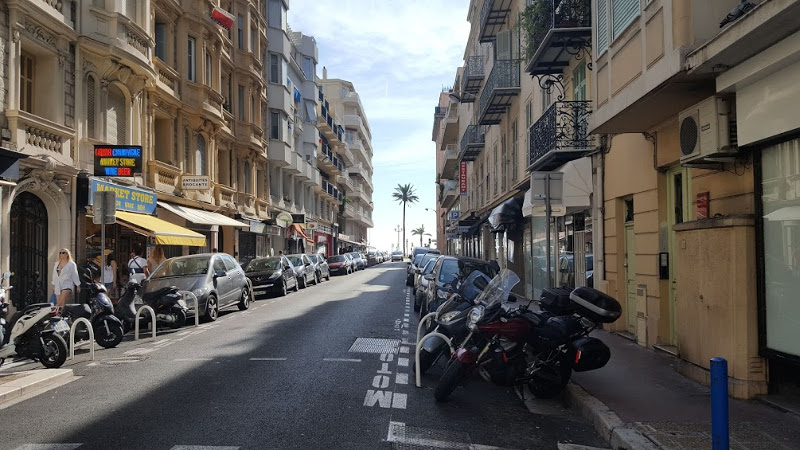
90,107
116,117
602,26
503,45
623,12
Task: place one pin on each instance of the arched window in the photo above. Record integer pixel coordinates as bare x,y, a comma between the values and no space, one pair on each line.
91,113
247,177
200,156
187,156
116,117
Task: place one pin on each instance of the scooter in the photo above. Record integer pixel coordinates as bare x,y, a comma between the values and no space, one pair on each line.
108,330
37,334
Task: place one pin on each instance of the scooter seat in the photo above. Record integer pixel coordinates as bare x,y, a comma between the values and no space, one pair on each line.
78,310
158,293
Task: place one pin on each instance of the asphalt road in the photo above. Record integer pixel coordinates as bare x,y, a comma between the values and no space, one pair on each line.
282,376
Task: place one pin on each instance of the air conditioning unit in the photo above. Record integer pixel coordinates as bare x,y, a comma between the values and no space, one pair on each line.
707,132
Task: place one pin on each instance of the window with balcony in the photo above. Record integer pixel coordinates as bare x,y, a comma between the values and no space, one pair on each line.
116,116
200,156
579,82
274,68
223,166
241,102
274,125
191,48
240,31
26,82
161,41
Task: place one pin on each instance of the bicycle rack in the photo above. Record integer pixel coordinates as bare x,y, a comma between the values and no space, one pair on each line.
80,320
189,295
420,341
136,322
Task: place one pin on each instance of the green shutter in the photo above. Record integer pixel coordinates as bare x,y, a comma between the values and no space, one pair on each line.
602,26
623,12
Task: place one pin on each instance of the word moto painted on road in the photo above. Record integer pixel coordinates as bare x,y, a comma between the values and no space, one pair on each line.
382,380
117,160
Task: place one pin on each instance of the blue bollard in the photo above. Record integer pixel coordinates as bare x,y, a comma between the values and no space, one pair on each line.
719,404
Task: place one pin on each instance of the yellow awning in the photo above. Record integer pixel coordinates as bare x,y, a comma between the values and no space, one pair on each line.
164,232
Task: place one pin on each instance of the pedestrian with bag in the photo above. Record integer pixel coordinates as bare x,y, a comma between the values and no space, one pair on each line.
137,266
65,278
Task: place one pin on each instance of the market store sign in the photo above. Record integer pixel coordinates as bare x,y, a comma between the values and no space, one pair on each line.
128,198
117,160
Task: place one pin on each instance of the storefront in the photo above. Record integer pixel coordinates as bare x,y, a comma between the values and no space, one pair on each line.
220,230
259,241
323,237
297,240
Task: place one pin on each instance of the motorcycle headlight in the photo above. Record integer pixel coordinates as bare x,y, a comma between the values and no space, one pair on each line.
474,316
448,316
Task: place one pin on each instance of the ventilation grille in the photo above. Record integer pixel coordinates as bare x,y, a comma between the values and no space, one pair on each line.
689,135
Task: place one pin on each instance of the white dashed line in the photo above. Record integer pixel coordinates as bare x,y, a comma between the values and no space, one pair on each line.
341,359
193,359
267,359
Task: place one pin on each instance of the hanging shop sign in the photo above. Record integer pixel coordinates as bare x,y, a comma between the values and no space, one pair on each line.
462,177
195,182
117,160
128,198
454,215
298,218
283,219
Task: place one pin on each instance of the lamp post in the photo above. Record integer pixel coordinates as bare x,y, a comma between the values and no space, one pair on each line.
397,230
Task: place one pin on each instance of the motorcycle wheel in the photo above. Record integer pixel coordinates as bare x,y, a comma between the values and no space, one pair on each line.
453,375
542,388
110,338
426,360
54,351
180,319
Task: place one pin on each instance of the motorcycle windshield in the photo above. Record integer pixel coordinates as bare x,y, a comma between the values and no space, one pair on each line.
498,289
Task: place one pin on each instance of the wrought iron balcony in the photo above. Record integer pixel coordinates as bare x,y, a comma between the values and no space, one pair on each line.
560,135
471,79
472,142
558,31
493,17
501,86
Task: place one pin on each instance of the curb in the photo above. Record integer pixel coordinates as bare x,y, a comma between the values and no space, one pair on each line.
620,435
34,381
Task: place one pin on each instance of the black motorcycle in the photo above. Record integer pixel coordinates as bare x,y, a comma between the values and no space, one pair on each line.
167,303
99,311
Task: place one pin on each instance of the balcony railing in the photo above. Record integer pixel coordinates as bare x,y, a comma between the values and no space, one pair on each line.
493,16
471,79
472,142
560,135
501,86
450,161
558,31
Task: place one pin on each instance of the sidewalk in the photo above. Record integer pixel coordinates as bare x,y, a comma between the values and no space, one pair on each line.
15,386
639,401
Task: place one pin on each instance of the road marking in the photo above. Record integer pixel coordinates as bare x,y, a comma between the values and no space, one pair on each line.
403,349
267,359
48,447
342,359
402,362
203,447
401,378
193,359
432,438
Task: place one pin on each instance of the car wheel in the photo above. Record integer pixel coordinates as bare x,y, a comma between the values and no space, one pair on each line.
328,277
316,279
283,291
244,302
304,283
212,309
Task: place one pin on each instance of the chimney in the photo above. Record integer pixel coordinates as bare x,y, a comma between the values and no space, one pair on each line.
324,73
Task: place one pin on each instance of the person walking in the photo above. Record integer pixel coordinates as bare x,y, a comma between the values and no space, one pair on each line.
110,274
137,266
156,258
65,278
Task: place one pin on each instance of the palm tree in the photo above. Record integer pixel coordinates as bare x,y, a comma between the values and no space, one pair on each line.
404,194
420,231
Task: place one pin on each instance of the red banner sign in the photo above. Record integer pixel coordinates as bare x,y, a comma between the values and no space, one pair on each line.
462,175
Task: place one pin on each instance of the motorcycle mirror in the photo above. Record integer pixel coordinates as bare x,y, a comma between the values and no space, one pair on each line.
6,275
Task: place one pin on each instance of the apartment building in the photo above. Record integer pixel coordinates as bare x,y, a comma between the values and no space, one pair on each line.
341,106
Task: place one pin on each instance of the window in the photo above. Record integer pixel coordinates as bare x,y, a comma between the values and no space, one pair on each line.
116,117
274,125
308,68
91,114
252,39
503,163
276,15
27,67
579,82
240,31
208,69
247,177
161,41
187,142
602,26
496,168
241,102
620,14
252,109
514,155
274,69
190,53
200,156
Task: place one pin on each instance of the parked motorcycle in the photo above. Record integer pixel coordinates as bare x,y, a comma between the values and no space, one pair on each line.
4,309
511,345
167,303
99,311
37,334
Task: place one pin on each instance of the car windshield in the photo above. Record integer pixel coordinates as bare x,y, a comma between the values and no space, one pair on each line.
191,265
417,259
425,259
429,267
257,265
450,272
338,258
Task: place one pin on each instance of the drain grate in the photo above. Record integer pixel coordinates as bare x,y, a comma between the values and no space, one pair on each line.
375,345
123,360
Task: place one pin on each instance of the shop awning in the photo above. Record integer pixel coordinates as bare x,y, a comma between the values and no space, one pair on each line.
165,233
200,217
299,230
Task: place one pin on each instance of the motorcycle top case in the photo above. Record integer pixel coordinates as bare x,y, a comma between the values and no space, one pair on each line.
589,354
556,301
595,305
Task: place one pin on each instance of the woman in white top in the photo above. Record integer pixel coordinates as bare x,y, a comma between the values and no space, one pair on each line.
110,274
65,277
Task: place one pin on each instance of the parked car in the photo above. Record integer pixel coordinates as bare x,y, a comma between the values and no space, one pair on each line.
321,268
339,265
304,269
373,258
216,279
358,260
397,255
447,271
422,282
424,260
271,275
416,256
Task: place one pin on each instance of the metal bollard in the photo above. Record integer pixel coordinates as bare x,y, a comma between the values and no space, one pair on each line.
72,336
136,322
419,347
719,404
187,296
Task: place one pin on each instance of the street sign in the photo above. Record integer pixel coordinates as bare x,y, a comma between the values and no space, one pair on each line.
454,215
105,207
284,219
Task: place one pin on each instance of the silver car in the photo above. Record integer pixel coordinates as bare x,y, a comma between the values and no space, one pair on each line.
216,279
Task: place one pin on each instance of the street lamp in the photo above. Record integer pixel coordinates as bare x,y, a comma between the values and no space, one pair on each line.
398,229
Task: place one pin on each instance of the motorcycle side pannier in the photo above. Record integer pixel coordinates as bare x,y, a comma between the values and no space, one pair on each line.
595,305
556,301
590,354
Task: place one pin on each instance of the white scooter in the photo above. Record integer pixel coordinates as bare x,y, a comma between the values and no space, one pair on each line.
34,333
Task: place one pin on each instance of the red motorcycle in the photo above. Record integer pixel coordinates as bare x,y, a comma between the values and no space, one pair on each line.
511,345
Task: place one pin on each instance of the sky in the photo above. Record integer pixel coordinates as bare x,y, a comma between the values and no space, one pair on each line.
399,55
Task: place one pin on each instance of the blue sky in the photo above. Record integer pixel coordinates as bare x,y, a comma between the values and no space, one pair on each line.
399,55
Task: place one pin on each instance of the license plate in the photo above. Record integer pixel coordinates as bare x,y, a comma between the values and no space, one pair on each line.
61,326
